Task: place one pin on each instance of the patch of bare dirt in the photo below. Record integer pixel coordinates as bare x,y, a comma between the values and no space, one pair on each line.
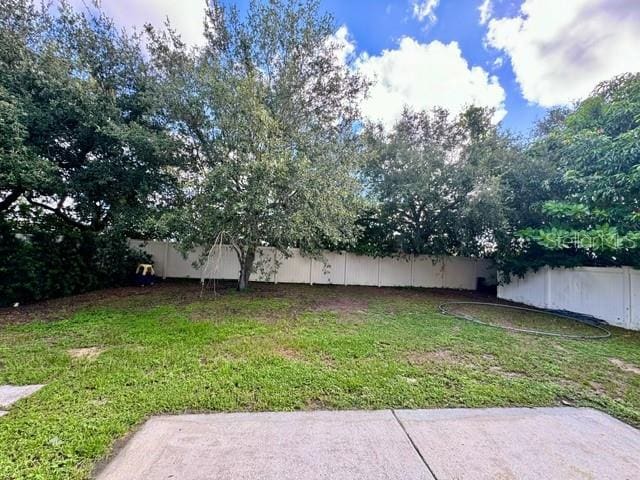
314,404
342,305
598,388
506,373
89,353
178,292
289,353
625,366
435,356
342,299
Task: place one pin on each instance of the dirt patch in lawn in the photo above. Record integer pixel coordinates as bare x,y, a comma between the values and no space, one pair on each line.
289,353
89,353
498,370
625,366
341,305
178,292
336,298
435,356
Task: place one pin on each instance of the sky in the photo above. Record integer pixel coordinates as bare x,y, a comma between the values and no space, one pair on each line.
519,57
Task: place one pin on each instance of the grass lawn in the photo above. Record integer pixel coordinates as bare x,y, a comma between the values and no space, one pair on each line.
112,359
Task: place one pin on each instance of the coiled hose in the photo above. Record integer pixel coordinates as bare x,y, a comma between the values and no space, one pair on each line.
576,318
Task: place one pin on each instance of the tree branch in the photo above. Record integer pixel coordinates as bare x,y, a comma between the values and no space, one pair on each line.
10,199
57,211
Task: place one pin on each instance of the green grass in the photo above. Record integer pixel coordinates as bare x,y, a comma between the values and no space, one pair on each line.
279,348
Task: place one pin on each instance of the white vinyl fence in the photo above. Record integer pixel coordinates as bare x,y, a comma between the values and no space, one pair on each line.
610,294
341,268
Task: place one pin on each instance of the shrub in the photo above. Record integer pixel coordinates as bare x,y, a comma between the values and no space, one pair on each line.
50,261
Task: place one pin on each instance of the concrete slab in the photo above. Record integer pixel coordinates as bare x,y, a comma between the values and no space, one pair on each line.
523,443
507,443
10,394
295,445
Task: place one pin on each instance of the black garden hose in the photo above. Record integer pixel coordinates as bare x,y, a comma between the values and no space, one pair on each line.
577,318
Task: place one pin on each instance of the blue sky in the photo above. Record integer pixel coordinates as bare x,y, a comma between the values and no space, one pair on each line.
519,57
456,21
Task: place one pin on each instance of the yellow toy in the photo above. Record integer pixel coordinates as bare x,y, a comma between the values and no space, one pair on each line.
145,269
145,274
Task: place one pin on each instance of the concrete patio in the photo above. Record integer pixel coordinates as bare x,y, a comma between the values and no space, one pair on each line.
513,443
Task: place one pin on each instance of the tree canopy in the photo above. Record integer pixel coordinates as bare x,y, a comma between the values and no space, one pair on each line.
267,111
591,215
80,138
256,137
434,179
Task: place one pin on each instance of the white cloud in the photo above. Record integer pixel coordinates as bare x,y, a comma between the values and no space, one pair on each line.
425,9
486,10
343,44
561,49
186,16
423,76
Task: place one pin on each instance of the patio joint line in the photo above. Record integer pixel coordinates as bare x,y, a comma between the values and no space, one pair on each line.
413,444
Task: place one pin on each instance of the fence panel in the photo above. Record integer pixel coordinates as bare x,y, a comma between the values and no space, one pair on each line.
330,273
340,268
530,290
457,273
396,271
294,269
428,272
611,294
264,264
362,270
157,251
593,291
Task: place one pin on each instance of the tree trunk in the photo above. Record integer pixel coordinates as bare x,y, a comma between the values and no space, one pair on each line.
246,265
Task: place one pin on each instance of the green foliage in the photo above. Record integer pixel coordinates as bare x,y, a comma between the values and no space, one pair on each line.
267,111
80,138
52,260
255,138
592,215
435,181
84,157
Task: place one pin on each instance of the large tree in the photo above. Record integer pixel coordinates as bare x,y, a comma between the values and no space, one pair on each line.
79,137
266,109
435,181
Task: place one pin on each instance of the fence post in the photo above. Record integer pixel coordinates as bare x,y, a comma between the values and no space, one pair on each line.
547,287
411,259
346,255
275,269
311,271
378,272
165,260
628,295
